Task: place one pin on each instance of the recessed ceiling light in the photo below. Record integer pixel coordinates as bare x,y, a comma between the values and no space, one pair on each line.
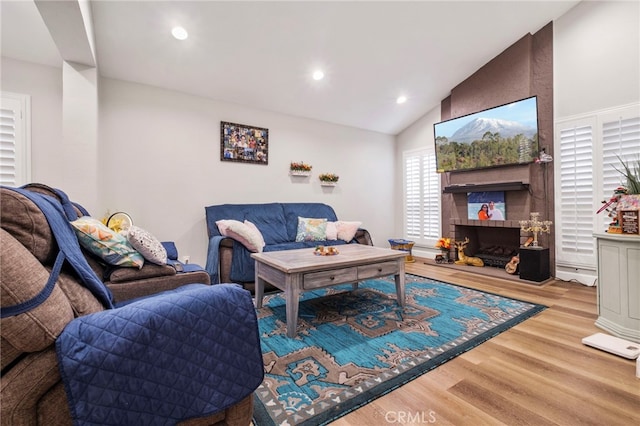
179,33
401,99
318,75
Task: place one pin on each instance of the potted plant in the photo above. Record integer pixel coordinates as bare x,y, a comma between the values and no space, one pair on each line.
631,172
625,197
444,244
300,169
328,179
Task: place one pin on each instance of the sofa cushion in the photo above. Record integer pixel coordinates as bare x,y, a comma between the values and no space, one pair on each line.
23,277
268,218
147,245
311,229
149,270
301,245
105,243
25,221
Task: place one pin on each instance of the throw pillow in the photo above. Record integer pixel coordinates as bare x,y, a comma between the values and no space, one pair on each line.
249,237
347,230
105,243
311,229
172,250
147,245
332,231
258,235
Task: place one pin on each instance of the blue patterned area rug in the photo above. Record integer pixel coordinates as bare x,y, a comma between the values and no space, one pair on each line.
354,346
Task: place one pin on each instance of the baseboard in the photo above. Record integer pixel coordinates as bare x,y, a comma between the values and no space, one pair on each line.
585,277
618,330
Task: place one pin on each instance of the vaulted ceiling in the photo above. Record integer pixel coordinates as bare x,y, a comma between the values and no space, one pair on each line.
262,54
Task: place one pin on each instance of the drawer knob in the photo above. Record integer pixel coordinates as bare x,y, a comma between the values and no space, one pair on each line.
332,278
379,269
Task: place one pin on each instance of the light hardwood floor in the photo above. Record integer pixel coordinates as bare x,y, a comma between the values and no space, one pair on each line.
536,373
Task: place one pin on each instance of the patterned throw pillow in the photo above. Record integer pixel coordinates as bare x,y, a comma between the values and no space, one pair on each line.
245,233
147,245
311,229
105,243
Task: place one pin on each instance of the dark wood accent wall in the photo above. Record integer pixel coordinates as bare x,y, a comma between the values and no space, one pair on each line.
524,69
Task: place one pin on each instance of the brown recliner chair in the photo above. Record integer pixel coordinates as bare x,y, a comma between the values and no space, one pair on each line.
32,391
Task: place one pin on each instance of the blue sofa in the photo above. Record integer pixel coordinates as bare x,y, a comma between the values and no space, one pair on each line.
230,261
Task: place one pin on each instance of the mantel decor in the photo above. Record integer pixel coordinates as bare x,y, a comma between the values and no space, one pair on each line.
244,143
444,245
535,226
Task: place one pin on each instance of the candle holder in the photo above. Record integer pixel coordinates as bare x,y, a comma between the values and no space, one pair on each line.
535,226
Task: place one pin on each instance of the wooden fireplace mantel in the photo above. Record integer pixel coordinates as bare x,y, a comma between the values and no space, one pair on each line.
482,187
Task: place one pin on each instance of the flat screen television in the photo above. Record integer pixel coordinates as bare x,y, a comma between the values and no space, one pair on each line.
500,136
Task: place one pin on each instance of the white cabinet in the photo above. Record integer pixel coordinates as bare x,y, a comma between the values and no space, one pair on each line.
619,285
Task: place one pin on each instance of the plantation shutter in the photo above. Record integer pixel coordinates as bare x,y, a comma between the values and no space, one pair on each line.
431,198
574,194
620,141
14,141
421,197
591,148
412,204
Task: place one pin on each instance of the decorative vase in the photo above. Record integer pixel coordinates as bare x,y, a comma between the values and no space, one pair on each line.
443,257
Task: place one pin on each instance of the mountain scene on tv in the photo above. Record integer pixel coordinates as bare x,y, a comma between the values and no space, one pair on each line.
480,140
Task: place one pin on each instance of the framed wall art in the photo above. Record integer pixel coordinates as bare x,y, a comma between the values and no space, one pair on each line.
243,143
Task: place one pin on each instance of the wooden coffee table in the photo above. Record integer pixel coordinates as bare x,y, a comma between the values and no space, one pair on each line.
296,271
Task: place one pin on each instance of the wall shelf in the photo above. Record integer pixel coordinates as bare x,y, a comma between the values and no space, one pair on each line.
482,187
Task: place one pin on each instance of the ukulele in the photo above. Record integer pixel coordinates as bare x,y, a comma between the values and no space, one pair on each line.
512,266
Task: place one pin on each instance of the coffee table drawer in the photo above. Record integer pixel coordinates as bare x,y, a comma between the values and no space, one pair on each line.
377,270
327,278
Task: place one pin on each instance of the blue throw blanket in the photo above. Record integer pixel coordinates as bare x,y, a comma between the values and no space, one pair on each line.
181,354
58,215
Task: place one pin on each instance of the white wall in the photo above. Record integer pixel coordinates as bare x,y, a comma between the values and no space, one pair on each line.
596,47
44,85
159,160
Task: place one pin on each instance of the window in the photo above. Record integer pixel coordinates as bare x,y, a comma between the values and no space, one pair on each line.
574,193
590,148
15,140
421,197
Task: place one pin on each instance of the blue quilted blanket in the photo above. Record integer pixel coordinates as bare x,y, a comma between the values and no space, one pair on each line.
180,354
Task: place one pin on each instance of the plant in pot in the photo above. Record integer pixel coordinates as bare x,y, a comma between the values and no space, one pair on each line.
631,173
328,179
300,168
625,197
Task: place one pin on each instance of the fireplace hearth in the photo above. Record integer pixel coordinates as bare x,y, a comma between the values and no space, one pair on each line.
495,242
497,256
